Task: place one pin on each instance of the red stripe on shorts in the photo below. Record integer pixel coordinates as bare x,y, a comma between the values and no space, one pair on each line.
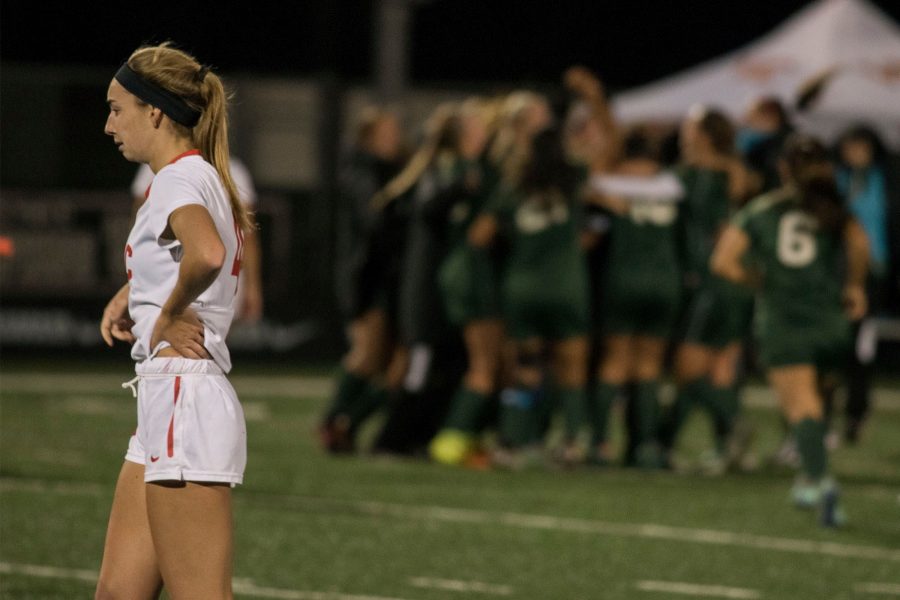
171,445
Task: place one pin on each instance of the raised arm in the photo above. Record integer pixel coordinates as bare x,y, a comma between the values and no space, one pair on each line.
588,87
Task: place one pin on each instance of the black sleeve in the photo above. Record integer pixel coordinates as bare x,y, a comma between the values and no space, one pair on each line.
436,209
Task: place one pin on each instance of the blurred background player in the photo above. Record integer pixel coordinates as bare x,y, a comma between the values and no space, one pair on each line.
369,252
718,312
765,127
641,291
869,182
545,298
796,237
468,285
249,302
435,178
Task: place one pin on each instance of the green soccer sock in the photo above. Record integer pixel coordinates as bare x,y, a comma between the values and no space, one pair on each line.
572,401
647,405
602,401
349,388
466,410
693,393
724,406
373,398
518,416
810,435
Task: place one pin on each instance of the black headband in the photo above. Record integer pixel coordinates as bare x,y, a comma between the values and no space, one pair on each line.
172,105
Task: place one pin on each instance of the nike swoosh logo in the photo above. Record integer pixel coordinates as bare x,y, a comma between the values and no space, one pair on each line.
154,458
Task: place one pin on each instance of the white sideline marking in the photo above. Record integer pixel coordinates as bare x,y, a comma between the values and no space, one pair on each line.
250,589
239,586
640,530
693,589
885,397
455,585
531,521
887,589
293,386
45,572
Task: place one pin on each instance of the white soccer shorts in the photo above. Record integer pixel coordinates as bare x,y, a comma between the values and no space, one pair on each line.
190,423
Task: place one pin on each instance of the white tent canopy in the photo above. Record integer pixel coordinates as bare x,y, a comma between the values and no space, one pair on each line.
852,37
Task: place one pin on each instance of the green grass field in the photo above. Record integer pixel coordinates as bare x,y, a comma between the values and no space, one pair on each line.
314,527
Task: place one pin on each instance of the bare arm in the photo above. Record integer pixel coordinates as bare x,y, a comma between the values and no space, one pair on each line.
202,259
614,204
482,232
856,245
589,88
251,271
116,322
727,258
740,182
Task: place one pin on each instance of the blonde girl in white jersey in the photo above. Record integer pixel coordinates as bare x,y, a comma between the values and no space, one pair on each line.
170,523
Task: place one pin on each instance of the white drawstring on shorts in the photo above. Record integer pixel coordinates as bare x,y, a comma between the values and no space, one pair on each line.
132,384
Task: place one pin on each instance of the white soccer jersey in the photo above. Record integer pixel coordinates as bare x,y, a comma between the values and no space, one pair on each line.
239,173
152,261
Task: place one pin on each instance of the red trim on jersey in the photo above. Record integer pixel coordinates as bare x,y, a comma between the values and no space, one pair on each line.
239,253
193,152
171,440
128,254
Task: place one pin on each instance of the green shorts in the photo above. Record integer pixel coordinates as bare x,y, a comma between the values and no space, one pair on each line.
553,313
825,343
717,314
646,306
468,286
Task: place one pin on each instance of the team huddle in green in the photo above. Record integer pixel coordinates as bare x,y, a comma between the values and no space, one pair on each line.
518,265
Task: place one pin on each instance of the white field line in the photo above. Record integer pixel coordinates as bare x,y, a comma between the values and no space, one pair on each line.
239,586
886,398
639,530
45,572
532,521
887,589
455,585
694,590
79,383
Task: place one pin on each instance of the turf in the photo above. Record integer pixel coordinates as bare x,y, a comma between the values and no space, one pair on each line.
377,527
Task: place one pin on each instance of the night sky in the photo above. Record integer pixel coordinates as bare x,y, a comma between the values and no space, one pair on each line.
627,42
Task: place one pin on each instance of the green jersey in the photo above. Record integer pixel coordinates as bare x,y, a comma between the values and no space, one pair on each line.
545,288
704,210
468,204
800,298
717,312
467,277
643,279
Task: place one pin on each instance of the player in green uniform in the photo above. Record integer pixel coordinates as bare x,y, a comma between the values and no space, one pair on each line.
469,290
717,312
797,237
442,175
544,295
642,290
368,253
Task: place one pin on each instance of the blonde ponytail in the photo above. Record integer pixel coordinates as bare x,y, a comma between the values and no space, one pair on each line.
210,135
